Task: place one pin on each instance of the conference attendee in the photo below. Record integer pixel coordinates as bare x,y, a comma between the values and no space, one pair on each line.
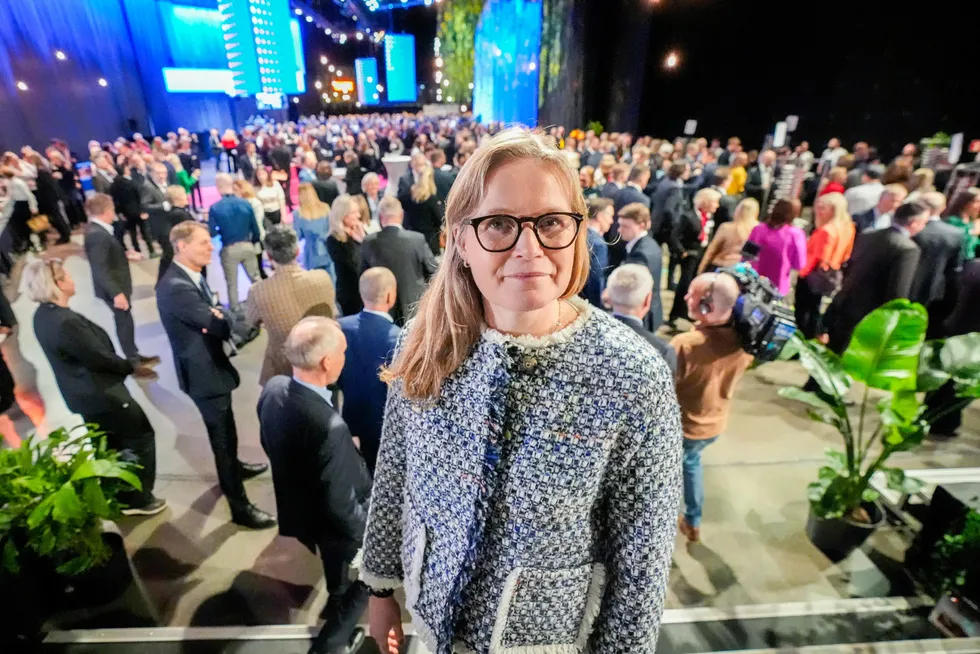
162,223
111,278
882,268
710,363
232,219
740,174
16,211
371,192
354,173
416,165
834,181
667,198
423,211
104,173
492,325
940,262
802,156
322,487
863,197
687,239
630,292
639,177
244,189
324,184
634,226
344,247
311,220
831,155
8,431
91,377
733,147
922,181
271,196
229,143
67,177
307,170
725,247
617,181
371,339
898,172
963,213
48,196
250,162
127,194
586,179
880,216
719,180
404,253
442,178
281,162
370,227
782,246
601,217
192,164
153,200
760,179
827,249
197,330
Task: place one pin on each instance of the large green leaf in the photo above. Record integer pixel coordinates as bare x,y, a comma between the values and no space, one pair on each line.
931,373
884,349
825,367
899,481
106,468
960,358
67,506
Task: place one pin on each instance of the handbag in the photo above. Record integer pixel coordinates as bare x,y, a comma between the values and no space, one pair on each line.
38,224
824,281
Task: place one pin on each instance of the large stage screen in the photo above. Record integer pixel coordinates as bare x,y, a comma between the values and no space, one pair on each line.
505,74
400,67
366,75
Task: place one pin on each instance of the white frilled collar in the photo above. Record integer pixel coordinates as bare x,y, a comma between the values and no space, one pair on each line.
563,335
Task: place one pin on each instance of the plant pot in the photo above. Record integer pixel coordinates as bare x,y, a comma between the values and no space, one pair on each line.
838,537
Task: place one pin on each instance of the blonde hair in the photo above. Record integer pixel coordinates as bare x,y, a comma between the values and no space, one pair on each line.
746,211
39,281
365,209
244,189
450,314
425,188
310,205
837,174
839,203
339,210
706,195
175,193
923,179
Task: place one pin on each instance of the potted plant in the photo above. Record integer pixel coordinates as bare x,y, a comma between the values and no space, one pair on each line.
55,494
887,352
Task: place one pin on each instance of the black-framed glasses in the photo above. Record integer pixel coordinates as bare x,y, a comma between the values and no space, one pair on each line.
555,230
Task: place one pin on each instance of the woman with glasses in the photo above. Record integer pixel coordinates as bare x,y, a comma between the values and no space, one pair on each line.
91,376
530,456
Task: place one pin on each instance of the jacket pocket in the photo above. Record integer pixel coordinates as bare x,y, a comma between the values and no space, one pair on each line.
548,611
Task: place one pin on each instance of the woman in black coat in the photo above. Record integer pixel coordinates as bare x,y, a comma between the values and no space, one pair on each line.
48,196
423,210
344,246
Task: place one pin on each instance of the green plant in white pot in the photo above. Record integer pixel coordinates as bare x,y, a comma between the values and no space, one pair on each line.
887,352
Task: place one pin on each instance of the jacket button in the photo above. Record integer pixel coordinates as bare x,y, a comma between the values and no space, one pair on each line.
528,363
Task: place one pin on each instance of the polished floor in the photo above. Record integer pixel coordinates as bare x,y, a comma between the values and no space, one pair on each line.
198,569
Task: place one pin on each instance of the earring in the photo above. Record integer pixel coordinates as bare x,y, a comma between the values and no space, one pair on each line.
466,264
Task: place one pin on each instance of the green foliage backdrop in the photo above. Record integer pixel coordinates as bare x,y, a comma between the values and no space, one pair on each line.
457,33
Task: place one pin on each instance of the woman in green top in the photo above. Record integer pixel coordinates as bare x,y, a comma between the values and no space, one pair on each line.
962,212
185,179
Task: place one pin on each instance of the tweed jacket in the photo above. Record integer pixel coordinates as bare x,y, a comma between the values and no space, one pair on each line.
531,508
280,302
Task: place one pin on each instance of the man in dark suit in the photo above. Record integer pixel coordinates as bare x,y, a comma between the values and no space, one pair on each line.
127,195
880,216
405,253
92,378
324,185
322,486
630,292
881,268
110,273
601,217
104,173
197,331
154,201
761,178
249,162
443,178
418,162
940,261
620,173
634,223
686,240
371,338
719,181
667,197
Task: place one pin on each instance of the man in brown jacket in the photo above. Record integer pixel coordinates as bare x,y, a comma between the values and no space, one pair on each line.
710,362
287,297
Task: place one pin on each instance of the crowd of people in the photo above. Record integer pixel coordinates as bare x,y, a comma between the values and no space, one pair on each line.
438,344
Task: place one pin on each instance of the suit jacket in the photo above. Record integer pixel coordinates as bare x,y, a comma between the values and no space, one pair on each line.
408,256
864,220
346,257
882,268
598,263
203,368
110,267
322,487
444,181
280,302
940,261
90,375
609,190
353,177
725,212
659,344
326,189
100,183
371,341
647,252
754,189
247,167
965,319
152,199
126,195
685,234
629,195
665,203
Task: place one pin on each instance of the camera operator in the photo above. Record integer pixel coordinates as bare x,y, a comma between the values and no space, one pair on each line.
710,361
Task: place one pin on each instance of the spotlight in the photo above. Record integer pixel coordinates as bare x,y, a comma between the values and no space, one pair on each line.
299,12
339,73
671,61
59,55
449,99
445,82
532,66
326,97
330,68
296,100
309,19
102,82
471,85
462,108
323,59
376,96
380,88
359,36
22,86
438,62
318,84
327,31
358,104
336,95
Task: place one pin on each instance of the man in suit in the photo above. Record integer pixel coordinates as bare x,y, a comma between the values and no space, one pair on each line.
110,274
322,486
863,197
127,194
153,198
416,165
761,178
601,216
443,178
720,179
634,225
371,338
233,219
687,240
92,378
734,147
405,253
325,186
105,173
940,261
630,291
666,198
197,331
286,297
880,216
249,162
620,173
882,268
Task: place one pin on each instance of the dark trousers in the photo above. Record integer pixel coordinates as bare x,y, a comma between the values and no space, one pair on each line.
807,309
197,200
232,160
129,432
839,331
133,225
273,217
223,435
675,263
126,331
346,603
945,396
166,258
689,270
7,397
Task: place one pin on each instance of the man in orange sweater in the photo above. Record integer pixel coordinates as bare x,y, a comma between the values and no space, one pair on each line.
710,362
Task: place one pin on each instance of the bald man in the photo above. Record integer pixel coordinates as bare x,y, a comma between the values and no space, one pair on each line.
233,220
371,338
710,362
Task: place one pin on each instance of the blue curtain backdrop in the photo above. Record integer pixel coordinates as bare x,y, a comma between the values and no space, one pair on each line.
508,41
123,41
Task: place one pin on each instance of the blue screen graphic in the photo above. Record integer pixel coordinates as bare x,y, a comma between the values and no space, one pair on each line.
262,46
194,35
400,67
366,76
505,75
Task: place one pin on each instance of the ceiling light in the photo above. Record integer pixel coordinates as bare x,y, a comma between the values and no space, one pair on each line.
295,100
309,19
102,82
323,59
59,55
299,12
318,84
380,88
331,68
22,86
